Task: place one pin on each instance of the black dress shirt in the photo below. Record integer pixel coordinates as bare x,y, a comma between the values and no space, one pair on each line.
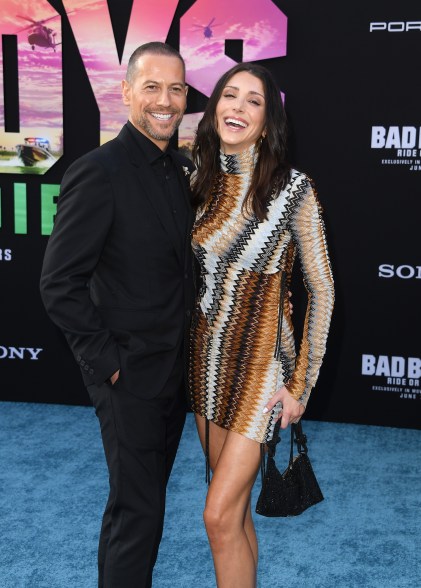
164,168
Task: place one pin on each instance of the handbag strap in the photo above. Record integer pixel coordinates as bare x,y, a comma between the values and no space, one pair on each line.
271,450
271,445
207,456
291,451
280,316
297,435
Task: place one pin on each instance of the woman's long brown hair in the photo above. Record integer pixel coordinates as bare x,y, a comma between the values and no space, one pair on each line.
272,170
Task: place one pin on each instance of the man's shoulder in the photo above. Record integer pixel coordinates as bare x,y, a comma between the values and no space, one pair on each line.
110,155
112,148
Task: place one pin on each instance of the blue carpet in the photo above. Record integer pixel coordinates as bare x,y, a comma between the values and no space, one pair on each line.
53,489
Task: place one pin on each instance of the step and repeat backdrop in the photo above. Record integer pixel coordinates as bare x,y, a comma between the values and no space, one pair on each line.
348,72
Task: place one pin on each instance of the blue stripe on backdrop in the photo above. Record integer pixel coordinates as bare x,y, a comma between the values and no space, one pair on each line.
53,488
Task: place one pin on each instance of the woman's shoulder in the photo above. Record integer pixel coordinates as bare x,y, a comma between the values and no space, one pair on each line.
299,180
302,195
299,188
298,191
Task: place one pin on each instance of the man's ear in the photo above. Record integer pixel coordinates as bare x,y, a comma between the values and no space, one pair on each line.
125,92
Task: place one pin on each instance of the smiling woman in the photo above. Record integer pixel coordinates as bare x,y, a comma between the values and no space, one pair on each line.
240,113
254,214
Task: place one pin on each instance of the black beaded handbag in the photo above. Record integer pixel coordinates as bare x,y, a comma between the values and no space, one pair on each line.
290,493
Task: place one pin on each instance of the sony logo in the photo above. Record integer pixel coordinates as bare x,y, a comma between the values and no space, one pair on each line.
405,272
19,352
396,26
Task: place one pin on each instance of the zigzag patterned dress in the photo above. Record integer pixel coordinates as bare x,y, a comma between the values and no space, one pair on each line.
240,355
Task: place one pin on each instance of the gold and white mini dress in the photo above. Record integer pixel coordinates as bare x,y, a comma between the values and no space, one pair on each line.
241,354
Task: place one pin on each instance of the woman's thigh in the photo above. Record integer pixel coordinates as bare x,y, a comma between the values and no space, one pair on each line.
234,475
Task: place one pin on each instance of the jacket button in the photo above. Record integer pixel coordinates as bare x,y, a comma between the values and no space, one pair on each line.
188,313
82,362
78,358
86,368
91,372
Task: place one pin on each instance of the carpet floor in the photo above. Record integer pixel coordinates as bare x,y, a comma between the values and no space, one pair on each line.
365,534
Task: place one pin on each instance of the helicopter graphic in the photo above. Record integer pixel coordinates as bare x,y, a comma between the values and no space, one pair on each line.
40,35
207,30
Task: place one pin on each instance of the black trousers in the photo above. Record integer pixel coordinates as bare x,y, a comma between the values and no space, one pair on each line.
140,439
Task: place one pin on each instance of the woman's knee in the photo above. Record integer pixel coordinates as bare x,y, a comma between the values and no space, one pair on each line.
220,523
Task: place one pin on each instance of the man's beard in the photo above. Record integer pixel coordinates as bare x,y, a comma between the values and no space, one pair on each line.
164,135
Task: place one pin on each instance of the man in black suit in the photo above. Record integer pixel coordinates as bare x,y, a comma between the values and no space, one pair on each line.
117,279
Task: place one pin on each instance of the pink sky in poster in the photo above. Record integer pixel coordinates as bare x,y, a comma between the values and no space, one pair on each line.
261,26
203,30
90,20
40,74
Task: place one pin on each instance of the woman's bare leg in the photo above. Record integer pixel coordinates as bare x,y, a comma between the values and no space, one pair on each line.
251,533
235,462
217,438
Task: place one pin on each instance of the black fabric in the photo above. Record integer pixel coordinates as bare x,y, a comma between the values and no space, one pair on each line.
117,279
163,165
296,489
140,439
127,303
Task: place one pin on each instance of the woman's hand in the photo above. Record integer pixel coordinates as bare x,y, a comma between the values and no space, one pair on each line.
291,411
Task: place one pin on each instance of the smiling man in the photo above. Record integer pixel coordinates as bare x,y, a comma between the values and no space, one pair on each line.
117,279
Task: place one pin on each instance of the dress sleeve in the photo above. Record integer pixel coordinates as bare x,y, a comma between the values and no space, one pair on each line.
308,234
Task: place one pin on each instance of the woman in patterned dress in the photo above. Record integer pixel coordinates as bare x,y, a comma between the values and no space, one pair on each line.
254,214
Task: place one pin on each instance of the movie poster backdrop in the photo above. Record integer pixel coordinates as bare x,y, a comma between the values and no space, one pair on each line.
348,76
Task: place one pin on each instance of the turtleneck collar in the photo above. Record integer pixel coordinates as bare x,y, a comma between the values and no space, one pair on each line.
239,163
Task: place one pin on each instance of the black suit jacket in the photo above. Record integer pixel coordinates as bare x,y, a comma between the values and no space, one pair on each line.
117,278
